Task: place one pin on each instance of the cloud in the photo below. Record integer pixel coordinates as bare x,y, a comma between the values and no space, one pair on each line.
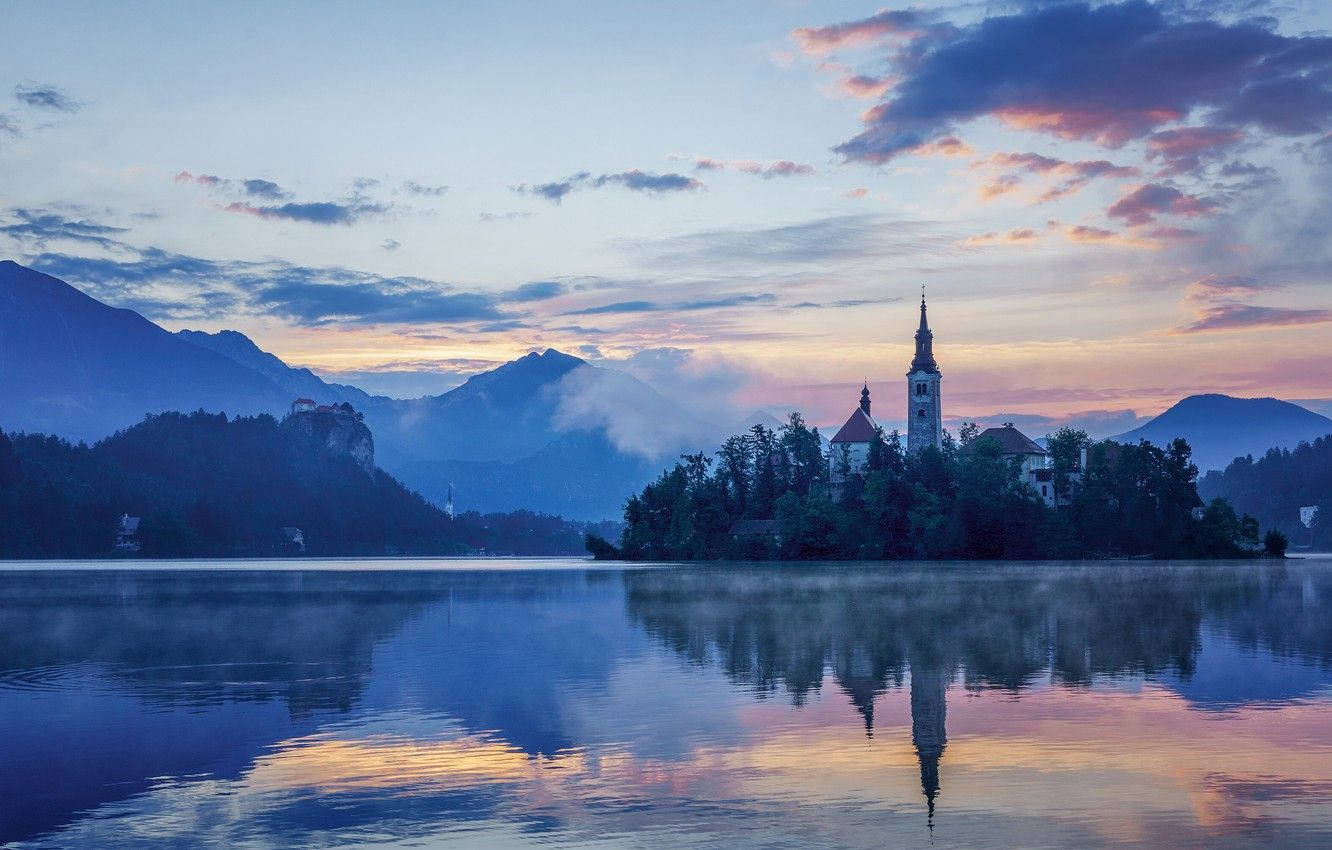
1020,236
45,97
779,168
391,245
506,216
1217,305
816,41
657,401
646,181
264,189
1107,73
311,296
1142,204
38,227
321,212
1075,175
947,146
413,188
555,191
209,180
858,192
1234,316
865,86
1087,234
859,236
712,303
540,290
1225,286
346,211
1183,150
1001,185
634,180
8,126
298,296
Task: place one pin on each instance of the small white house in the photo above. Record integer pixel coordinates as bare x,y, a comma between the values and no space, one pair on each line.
1034,461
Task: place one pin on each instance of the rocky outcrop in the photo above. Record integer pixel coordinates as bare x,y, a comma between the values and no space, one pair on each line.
337,433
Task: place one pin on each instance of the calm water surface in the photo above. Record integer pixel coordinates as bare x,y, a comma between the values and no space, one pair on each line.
538,702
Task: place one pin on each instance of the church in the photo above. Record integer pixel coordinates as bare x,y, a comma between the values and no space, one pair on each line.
851,443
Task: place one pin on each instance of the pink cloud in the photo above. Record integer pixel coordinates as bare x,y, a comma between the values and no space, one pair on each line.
1183,150
999,186
1076,174
858,192
1020,236
779,168
1142,204
201,179
863,86
1234,316
816,41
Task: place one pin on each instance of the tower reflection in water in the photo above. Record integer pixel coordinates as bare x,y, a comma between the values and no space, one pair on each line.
585,700
1006,628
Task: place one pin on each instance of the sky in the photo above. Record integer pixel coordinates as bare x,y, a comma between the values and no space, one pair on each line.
1110,205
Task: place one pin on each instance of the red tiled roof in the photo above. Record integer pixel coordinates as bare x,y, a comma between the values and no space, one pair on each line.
858,429
1011,441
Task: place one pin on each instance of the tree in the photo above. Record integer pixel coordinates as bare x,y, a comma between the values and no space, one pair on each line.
1065,448
1274,543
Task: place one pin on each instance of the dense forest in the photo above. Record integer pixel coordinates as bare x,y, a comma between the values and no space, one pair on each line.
206,485
962,501
1275,486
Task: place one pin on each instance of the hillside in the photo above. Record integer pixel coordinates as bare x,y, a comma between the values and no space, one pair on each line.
206,485
529,434
73,366
1276,485
1221,428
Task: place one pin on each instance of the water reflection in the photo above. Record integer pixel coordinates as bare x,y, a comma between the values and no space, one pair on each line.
762,706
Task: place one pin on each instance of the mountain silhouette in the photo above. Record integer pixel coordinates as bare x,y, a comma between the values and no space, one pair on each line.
547,432
1221,428
73,366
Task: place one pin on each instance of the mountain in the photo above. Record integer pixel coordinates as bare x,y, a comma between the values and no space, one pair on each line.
296,383
1274,487
74,366
205,485
1221,428
547,432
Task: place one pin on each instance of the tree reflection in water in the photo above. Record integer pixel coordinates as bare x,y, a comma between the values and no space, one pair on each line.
1001,626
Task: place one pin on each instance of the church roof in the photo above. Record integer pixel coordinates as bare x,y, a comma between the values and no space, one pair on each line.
1011,441
860,428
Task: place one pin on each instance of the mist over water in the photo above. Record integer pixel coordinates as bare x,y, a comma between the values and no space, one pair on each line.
541,702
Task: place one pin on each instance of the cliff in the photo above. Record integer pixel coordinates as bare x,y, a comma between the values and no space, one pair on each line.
336,433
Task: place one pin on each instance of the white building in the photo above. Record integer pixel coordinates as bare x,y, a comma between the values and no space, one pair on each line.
851,443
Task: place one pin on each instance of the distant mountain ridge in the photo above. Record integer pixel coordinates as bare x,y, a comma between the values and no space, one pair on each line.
506,439
1221,428
73,366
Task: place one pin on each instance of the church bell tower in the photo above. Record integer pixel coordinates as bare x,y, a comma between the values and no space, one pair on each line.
924,406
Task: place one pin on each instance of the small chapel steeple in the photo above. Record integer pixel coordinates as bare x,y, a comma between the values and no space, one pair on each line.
865,399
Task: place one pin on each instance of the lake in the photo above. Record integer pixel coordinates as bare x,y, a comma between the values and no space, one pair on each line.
536,702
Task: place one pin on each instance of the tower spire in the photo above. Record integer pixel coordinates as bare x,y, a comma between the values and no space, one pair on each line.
924,359
864,398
